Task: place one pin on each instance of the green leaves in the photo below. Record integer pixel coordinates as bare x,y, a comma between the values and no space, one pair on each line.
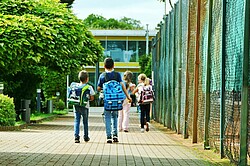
99,22
43,32
7,111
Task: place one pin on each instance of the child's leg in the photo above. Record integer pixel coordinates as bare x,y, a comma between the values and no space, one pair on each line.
142,107
114,119
85,115
126,116
120,119
77,117
147,112
107,116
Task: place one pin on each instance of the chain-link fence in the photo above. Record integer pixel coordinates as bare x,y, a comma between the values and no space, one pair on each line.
199,51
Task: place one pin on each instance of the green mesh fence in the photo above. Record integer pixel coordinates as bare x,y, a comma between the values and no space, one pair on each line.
190,65
215,49
234,52
202,68
174,56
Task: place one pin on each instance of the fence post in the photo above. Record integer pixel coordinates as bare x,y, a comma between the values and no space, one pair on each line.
244,99
168,78
173,107
179,68
208,77
222,91
196,74
186,111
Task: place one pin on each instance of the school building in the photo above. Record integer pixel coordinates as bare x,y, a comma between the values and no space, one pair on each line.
125,47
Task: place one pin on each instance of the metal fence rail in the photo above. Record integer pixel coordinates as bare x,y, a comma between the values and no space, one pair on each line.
202,51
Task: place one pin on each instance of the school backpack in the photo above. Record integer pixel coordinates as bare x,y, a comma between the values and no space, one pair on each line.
78,94
113,93
146,94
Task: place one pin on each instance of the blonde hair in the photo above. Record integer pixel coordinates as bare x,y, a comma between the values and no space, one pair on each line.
142,77
147,81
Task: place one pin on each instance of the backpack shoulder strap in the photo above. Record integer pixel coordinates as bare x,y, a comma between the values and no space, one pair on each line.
105,77
115,76
85,87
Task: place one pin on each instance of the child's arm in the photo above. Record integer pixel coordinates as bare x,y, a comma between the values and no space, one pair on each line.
99,88
92,93
126,92
91,98
132,87
135,90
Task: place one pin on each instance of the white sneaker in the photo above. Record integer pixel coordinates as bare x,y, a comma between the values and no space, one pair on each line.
142,130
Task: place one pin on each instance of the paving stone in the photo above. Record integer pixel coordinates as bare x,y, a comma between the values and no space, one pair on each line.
52,143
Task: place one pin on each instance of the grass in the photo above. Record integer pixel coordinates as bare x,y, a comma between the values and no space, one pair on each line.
19,123
60,112
38,116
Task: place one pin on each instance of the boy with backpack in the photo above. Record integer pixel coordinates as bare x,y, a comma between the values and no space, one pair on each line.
113,88
80,94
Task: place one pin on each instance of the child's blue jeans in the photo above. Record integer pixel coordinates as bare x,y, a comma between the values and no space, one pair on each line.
111,123
84,113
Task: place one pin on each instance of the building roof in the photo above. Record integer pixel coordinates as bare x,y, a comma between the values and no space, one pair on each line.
152,33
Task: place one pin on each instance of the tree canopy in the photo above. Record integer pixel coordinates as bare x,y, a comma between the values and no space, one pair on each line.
94,21
41,41
43,33
68,2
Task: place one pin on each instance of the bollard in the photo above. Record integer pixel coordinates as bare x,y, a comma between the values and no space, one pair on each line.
49,106
25,105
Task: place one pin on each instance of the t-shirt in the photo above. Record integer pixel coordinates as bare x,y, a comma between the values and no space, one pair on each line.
110,75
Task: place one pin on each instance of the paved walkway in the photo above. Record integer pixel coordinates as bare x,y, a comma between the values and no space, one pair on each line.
52,143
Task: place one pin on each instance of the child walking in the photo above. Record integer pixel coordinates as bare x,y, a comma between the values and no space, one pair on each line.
83,111
124,113
145,108
111,117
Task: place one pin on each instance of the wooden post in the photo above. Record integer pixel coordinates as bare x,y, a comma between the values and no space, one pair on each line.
196,74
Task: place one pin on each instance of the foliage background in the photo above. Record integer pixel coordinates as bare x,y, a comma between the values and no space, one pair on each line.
40,43
7,111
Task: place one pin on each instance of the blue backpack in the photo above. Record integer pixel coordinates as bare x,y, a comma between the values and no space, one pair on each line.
113,94
78,94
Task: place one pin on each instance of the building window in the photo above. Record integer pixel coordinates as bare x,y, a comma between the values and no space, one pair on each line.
122,51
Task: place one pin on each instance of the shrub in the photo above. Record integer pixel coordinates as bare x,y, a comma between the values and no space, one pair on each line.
59,105
7,111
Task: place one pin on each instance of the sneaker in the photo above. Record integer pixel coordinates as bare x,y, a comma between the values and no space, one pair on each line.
115,139
142,130
86,139
77,139
147,126
109,140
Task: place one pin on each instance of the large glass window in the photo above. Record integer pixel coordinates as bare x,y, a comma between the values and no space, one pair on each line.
142,48
132,47
116,49
122,51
